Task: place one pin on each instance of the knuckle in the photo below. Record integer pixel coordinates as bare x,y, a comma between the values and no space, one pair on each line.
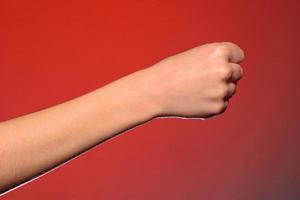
219,107
237,71
222,50
234,92
237,47
222,91
232,86
232,89
242,54
227,43
241,71
224,71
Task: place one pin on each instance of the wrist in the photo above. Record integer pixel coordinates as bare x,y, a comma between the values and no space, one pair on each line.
145,93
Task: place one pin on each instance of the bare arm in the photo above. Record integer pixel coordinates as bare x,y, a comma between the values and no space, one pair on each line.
195,83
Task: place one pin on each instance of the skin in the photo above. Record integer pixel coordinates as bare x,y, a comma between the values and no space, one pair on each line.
197,83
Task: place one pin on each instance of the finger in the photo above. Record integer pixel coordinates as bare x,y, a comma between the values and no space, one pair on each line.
225,105
237,72
231,90
232,52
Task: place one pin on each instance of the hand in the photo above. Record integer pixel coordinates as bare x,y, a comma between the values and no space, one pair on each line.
199,82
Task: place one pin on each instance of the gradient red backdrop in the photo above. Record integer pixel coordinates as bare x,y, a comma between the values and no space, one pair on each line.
52,51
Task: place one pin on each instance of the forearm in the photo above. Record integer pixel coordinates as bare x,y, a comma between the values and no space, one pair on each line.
35,143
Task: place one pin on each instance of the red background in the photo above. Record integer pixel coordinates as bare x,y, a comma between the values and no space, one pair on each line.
52,51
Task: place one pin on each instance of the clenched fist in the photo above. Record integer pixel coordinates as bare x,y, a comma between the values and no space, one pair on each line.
199,82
